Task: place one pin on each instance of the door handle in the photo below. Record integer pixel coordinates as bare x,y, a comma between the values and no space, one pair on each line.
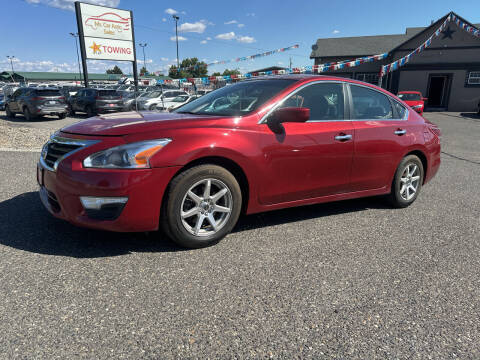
343,137
400,132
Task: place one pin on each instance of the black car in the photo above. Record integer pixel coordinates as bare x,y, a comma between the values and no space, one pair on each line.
95,101
2,101
32,102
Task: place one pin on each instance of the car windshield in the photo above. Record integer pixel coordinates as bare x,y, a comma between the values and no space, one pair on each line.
153,94
180,98
107,93
407,96
235,100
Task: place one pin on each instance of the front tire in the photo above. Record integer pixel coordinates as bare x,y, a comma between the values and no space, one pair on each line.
27,114
9,113
407,182
202,206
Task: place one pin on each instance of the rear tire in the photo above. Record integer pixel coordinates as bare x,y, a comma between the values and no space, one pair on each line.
27,114
201,206
62,116
9,113
407,182
90,111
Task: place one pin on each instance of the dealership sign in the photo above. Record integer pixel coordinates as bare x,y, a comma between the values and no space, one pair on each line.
105,34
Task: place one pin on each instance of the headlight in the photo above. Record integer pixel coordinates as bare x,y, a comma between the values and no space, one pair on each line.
130,156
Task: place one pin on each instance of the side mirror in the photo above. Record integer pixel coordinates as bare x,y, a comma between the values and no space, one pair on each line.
425,99
288,114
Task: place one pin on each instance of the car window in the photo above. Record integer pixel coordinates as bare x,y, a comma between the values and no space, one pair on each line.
238,99
370,104
47,92
410,97
325,101
401,111
17,93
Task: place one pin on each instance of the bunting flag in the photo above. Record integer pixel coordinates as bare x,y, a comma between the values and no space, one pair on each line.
243,58
402,61
348,63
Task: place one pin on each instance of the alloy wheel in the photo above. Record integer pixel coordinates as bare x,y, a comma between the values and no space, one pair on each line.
206,207
409,181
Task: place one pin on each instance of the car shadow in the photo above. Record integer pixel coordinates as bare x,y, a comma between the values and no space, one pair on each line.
27,226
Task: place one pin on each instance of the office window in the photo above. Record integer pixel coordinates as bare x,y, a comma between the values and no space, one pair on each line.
473,78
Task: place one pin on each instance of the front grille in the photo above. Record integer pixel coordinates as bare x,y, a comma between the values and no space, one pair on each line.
56,151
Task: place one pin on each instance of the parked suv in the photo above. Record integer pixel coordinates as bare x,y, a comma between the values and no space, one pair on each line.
96,101
33,102
154,98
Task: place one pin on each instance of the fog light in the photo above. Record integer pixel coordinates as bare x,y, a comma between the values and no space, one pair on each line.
103,208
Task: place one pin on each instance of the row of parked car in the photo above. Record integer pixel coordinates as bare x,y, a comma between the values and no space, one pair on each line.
33,102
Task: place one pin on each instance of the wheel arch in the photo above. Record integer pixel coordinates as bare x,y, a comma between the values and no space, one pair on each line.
227,164
423,158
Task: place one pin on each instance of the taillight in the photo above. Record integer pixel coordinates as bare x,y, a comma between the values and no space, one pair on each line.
37,98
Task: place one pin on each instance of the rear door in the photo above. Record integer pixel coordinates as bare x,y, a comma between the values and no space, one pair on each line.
381,137
311,159
13,103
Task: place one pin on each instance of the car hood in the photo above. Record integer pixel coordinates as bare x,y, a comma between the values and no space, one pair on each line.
127,123
413,102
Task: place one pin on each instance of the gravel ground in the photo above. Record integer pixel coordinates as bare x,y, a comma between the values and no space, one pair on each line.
347,280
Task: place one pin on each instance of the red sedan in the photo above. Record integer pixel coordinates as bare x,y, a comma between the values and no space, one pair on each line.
413,99
258,145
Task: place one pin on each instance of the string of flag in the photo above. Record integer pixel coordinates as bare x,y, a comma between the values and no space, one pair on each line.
402,61
242,58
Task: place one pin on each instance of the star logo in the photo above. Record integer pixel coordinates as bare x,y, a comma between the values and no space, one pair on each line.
447,33
95,48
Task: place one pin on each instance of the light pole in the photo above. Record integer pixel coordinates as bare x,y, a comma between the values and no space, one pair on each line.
176,18
143,45
75,35
11,64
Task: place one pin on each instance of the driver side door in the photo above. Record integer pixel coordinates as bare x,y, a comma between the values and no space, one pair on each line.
311,159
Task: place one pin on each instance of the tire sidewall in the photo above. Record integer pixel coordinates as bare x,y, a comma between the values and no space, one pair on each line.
396,197
27,114
175,229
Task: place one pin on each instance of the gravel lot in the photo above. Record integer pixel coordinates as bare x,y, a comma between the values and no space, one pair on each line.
353,279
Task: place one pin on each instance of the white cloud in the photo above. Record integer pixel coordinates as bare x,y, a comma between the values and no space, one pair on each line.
335,31
171,11
207,22
245,39
164,59
227,36
69,4
251,14
203,42
164,19
197,27
241,25
209,38
180,38
231,22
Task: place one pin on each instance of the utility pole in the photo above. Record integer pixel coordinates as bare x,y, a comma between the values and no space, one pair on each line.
75,35
290,62
11,64
176,18
143,45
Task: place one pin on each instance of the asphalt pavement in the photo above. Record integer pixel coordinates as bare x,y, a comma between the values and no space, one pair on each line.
347,280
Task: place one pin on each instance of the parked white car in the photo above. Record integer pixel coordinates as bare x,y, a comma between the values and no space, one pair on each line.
176,102
151,100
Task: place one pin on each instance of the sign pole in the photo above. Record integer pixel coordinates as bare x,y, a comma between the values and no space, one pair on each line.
82,42
135,71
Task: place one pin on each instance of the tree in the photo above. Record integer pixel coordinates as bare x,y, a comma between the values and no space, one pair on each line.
216,74
115,70
189,68
143,70
231,72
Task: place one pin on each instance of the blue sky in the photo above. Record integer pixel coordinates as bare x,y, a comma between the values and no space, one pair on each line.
37,32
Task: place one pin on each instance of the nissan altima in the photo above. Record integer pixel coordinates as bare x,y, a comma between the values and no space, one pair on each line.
258,145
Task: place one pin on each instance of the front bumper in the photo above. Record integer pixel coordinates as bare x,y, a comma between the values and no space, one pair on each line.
60,192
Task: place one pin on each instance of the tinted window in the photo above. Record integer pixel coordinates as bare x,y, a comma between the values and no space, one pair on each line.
407,97
47,92
370,104
401,111
107,93
325,101
239,99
